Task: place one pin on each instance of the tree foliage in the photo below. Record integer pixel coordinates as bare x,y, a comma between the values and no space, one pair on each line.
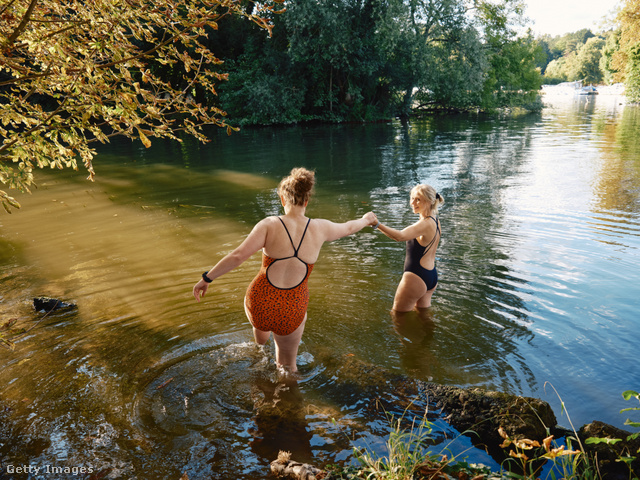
575,56
343,60
514,79
610,73
627,59
588,60
561,51
74,73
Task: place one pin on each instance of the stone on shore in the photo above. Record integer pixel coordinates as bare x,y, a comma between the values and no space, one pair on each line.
482,412
607,453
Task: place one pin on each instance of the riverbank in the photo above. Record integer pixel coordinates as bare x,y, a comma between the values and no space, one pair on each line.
520,433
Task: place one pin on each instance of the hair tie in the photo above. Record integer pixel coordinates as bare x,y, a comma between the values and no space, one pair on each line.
438,197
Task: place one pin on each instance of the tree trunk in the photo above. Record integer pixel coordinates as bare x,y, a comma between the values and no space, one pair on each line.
407,102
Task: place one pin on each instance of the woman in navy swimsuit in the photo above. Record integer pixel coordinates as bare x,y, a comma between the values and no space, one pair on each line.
420,276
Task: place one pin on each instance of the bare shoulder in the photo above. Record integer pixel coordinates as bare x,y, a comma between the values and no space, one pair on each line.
268,221
321,223
427,225
328,231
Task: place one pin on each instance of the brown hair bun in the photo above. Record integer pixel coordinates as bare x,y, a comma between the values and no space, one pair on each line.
298,186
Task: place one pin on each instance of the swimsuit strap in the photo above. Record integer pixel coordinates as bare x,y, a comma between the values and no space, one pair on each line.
295,250
428,246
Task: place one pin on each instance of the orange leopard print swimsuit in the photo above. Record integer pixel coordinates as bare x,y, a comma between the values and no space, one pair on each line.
275,309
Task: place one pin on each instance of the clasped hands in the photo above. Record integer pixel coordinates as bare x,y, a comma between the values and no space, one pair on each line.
371,218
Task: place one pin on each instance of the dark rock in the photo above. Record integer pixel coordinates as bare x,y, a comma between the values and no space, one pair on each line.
483,412
47,304
609,453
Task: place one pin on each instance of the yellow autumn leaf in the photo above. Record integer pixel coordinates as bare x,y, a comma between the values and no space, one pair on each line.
144,139
526,444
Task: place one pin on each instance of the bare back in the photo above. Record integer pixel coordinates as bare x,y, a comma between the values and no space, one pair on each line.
294,243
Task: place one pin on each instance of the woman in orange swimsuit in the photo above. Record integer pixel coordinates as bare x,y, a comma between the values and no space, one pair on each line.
277,298
420,277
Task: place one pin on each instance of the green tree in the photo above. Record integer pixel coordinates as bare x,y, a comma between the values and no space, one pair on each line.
456,75
587,64
333,48
557,70
627,60
611,47
74,73
632,77
580,60
336,60
545,55
417,32
571,42
263,86
513,79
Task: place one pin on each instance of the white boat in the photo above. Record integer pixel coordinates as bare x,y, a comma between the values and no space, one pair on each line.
588,90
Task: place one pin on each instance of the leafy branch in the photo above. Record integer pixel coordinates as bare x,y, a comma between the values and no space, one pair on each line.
73,74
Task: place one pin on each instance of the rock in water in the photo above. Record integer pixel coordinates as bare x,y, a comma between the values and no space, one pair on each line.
47,304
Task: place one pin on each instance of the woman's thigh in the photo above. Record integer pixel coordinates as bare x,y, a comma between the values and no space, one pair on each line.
261,337
287,346
409,291
425,300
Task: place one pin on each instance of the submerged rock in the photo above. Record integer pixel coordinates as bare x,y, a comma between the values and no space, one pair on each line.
481,413
47,304
283,466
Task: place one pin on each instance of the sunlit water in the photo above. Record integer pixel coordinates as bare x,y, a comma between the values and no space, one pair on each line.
538,290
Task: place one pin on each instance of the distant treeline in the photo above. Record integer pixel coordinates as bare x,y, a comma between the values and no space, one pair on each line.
364,60
604,58
581,55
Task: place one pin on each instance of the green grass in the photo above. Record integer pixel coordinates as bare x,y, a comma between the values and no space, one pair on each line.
408,456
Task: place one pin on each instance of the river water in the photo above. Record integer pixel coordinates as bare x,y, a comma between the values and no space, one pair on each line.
538,291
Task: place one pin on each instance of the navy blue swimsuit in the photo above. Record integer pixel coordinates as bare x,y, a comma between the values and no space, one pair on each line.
415,252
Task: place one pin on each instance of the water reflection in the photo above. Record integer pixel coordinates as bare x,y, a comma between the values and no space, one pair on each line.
416,330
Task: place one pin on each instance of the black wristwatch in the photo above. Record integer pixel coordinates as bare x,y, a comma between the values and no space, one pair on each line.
205,278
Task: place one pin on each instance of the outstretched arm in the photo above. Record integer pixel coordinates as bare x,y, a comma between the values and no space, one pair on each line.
254,242
334,231
412,231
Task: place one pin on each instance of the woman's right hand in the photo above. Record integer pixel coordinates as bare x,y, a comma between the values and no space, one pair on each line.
371,218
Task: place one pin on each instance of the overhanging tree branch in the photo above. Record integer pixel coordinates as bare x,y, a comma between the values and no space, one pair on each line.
131,68
23,24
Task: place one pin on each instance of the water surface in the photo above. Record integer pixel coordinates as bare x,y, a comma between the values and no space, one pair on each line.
538,290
